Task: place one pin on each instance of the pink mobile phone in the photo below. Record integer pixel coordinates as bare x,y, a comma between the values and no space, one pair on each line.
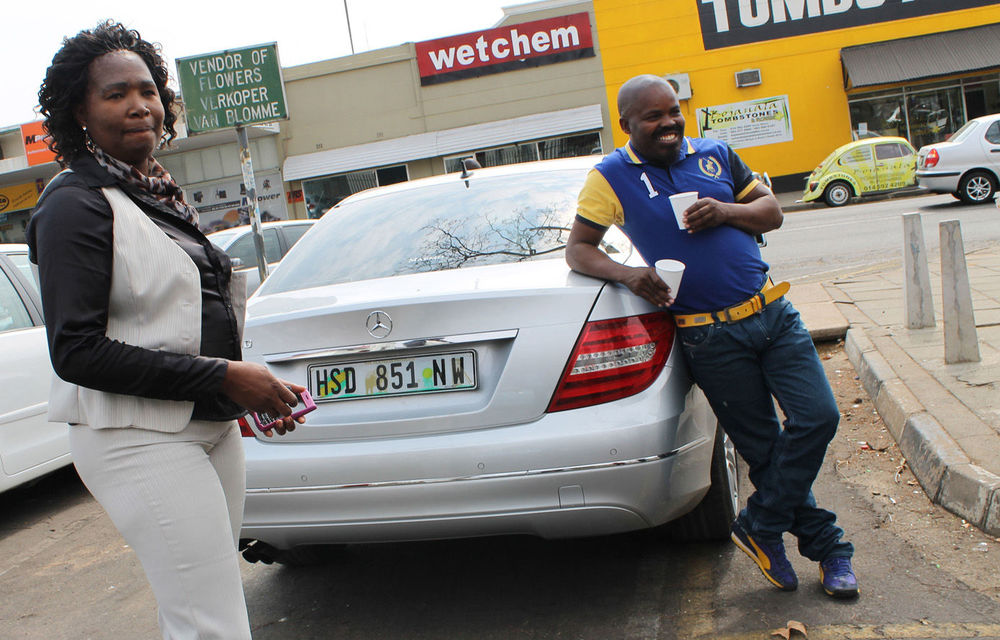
266,420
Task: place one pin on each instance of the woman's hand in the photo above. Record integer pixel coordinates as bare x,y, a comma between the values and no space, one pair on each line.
252,386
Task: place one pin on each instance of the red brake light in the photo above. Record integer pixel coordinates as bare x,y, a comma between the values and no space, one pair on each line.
614,359
931,159
245,429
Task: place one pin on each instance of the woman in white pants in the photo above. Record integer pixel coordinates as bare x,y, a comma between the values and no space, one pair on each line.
144,318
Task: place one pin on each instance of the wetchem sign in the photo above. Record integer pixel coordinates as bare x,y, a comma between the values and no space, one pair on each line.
235,87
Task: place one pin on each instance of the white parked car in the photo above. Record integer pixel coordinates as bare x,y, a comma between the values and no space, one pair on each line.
469,383
967,165
238,244
30,445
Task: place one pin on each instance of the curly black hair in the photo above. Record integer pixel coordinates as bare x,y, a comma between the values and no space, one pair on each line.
65,85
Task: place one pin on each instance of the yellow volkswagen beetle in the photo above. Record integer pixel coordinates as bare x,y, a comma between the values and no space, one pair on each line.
861,168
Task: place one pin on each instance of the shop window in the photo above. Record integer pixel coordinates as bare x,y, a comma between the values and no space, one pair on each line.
934,115
570,147
391,175
883,116
924,113
323,193
583,144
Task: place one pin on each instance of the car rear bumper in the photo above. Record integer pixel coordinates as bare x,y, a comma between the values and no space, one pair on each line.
603,499
609,475
938,181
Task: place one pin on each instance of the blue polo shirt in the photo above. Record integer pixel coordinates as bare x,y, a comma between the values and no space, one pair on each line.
723,265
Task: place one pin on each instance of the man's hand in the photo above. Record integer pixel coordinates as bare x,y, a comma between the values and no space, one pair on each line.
646,283
253,387
706,213
757,213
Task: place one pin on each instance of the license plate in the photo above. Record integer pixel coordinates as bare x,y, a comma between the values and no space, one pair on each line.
394,377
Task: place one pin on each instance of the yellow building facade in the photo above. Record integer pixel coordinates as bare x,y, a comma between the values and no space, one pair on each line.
807,68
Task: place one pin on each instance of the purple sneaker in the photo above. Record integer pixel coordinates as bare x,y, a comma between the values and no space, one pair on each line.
769,557
838,577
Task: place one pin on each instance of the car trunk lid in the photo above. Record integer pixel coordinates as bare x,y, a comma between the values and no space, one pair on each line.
424,353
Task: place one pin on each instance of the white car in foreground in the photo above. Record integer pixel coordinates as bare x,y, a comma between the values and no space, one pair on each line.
967,164
30,445
468,382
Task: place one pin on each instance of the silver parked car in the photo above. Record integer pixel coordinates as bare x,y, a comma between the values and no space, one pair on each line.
967,165
238,244
469,383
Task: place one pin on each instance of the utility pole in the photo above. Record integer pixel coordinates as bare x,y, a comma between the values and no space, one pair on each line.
350,37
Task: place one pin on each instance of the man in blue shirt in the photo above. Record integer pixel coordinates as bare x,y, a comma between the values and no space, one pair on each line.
743,342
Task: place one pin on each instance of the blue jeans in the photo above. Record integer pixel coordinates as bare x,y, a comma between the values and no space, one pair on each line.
740,366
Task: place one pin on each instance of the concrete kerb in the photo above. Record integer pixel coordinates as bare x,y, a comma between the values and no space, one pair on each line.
939,464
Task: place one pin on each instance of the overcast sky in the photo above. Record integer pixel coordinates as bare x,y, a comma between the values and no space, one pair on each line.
305,30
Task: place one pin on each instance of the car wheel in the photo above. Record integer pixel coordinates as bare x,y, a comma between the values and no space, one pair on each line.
838,193
976,187
714,515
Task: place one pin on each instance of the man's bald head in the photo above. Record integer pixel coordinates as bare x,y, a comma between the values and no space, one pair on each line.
635,87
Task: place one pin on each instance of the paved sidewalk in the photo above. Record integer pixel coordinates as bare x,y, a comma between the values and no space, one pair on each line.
945,417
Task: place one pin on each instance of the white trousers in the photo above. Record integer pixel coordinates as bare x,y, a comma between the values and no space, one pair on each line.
177,499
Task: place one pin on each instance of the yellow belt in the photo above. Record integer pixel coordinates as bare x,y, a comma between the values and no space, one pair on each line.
768,294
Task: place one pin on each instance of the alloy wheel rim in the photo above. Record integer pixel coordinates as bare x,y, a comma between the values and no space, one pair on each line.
731,472
979,188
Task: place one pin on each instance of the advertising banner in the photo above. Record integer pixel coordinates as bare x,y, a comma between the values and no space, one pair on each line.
528,44
747,124
36,144
725,23
220,203
19,196
232,87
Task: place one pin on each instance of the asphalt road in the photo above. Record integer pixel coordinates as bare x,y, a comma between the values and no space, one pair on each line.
815,243
66,573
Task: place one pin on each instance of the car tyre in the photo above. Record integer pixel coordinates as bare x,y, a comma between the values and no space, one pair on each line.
714,515
837,193
977,187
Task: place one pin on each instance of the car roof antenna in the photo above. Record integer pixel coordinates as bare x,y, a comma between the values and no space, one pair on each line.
468,165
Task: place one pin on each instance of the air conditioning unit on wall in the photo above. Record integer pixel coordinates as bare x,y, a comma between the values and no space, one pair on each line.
681,83
748,78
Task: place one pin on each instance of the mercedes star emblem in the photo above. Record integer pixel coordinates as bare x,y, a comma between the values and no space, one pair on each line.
379,324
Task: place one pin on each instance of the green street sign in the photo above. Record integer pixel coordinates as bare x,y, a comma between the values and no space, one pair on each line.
234,87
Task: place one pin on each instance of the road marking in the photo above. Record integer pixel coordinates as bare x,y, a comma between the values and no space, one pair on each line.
937,630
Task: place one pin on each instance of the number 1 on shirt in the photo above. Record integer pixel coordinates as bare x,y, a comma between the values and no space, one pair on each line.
649,185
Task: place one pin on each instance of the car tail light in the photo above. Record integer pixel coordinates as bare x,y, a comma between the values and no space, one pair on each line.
931,159
813,185
614,359
245,429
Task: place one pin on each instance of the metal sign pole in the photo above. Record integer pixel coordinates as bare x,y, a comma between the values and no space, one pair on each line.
253,209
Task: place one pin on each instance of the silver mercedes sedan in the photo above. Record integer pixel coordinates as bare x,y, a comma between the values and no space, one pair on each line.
468,383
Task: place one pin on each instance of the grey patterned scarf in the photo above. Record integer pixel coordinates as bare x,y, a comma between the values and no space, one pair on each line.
156,188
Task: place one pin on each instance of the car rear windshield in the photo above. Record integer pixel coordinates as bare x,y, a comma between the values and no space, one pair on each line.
963,132
491,220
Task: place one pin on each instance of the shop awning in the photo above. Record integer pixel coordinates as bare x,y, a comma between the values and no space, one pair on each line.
445,142
922,57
